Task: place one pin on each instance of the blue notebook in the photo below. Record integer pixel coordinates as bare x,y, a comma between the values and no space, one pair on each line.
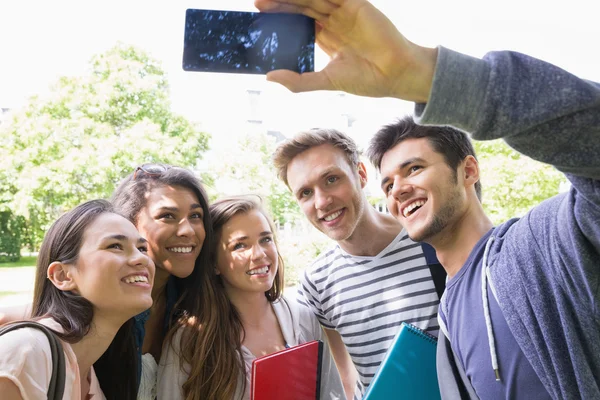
408,369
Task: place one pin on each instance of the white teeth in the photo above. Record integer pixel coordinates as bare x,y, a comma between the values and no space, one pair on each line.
181,249
407,210
136,278
332,216
262,270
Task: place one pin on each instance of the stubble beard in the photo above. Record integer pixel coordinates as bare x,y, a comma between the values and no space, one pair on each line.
441,220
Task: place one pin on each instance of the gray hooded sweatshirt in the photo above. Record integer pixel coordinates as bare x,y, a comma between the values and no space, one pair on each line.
544,268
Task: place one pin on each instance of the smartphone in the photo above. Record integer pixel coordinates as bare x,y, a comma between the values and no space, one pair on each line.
247,42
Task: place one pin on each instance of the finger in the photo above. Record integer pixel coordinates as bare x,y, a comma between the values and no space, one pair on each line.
290,8
295,82
319,6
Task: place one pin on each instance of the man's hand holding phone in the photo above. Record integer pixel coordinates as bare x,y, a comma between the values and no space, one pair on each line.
368,55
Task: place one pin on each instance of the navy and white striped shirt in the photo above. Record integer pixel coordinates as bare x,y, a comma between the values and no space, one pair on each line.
366,299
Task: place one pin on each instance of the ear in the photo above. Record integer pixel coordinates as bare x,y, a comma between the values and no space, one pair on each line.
470,171
362,174
217,272
60,275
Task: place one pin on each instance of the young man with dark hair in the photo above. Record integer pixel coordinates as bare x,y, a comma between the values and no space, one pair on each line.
375,277
520,316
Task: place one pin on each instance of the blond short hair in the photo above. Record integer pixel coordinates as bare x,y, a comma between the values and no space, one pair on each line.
302,141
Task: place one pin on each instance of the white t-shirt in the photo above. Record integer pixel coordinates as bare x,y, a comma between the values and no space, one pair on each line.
26,360
298,325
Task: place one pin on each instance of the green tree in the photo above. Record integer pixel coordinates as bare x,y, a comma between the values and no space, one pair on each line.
513,183
77,143
247,168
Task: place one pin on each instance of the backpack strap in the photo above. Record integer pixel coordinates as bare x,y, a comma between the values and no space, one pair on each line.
438,273
56,388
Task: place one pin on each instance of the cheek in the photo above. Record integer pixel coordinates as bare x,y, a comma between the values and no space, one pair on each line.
201,234
392,205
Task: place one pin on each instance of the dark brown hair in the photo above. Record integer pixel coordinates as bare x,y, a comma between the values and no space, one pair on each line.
116,369
302,141
450,142
216,360
130,198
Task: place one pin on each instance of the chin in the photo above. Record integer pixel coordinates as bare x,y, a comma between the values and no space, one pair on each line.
181,272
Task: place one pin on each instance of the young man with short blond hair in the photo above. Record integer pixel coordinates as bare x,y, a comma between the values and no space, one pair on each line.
375,277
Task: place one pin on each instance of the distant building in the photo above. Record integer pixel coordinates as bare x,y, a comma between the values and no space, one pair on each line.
3,114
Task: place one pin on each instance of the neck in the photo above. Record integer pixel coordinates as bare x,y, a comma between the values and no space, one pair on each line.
253,307
374,232
89,349
161,277
454,245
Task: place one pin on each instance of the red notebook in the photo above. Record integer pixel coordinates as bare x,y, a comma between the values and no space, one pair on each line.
290,374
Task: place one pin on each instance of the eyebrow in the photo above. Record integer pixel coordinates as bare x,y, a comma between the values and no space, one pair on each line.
402,166
240,238
192,207
323,174
124,238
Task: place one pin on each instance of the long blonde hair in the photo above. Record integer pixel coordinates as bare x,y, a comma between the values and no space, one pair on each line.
214,350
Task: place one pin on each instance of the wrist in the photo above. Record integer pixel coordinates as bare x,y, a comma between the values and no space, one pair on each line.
415,82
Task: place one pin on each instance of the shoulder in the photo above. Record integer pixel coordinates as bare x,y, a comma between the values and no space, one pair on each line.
324,259
26,342
26,360
303,319
321,265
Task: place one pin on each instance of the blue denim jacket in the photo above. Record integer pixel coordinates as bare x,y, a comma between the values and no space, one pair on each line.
140,320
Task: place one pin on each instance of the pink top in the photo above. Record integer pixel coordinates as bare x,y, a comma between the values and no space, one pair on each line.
26,360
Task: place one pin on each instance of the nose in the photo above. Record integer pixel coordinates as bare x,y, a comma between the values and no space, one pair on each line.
400,189
139,259
257,252
322,200
185,228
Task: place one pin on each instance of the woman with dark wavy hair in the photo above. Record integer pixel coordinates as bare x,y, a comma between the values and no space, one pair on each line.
243,314
93,275
169,207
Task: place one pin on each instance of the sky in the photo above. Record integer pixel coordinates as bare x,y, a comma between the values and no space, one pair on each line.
42,40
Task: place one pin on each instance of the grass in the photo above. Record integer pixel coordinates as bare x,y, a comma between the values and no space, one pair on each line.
28,261
4,294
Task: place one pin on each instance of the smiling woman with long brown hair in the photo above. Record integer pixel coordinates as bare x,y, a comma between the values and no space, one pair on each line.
93,275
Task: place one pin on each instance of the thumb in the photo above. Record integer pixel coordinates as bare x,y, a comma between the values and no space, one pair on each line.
295,82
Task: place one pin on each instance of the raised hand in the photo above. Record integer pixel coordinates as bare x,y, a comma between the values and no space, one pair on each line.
368,56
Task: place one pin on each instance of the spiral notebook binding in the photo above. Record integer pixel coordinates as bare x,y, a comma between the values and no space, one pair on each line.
421,332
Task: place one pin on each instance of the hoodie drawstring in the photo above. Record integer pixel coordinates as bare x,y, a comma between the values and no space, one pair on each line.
486,311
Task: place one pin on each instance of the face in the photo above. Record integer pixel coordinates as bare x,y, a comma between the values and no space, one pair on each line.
328,190
172,222
246,254
113,270
422,192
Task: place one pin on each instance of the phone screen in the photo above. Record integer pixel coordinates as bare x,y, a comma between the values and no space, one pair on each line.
247,42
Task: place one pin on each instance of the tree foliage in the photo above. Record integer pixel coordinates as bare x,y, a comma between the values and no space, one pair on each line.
513,183
77,143
246,168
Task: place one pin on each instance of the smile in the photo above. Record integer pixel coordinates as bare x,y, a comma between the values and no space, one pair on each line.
135,279
412,207
258,271
187,249
331,217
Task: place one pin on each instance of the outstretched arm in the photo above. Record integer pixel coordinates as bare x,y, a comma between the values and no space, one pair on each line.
537,108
